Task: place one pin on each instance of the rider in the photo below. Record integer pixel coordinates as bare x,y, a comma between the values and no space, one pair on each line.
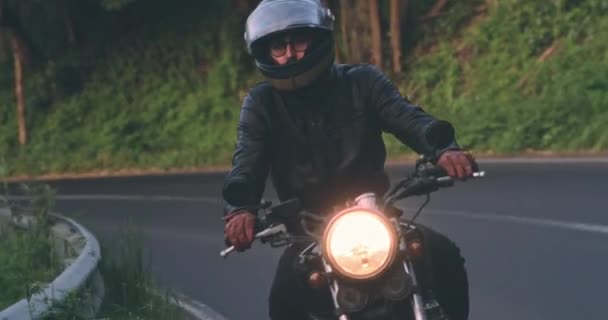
317,128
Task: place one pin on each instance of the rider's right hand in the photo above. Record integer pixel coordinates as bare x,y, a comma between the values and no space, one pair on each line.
240,229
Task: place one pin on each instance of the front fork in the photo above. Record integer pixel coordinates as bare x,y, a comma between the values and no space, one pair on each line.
369,200
416,300
333,284
333,287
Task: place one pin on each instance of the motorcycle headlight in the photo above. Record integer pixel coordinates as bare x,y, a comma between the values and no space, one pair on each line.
359,243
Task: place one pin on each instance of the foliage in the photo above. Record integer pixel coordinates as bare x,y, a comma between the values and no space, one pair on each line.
27,258
159,85
491,82
130,292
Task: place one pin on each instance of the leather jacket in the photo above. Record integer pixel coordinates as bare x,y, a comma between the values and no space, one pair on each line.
323,144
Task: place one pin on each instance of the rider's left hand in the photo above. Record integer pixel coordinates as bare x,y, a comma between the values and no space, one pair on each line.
457,163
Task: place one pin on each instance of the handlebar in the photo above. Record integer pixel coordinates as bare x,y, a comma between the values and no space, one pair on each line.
420,184
426,179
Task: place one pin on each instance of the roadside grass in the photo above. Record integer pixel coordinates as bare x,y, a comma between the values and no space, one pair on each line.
28,263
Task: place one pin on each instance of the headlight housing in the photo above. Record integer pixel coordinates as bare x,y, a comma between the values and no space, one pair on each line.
359,243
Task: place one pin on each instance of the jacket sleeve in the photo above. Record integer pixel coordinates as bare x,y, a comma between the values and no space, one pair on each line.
244,184
409,123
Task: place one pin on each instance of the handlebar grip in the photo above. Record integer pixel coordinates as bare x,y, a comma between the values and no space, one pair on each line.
226,251
443,182
271,231
449,181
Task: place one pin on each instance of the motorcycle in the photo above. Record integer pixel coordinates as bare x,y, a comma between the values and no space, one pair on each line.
364,252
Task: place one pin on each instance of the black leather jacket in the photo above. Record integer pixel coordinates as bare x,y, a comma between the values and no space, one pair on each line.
323,144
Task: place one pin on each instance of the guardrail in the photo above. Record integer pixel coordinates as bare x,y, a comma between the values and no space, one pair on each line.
80,271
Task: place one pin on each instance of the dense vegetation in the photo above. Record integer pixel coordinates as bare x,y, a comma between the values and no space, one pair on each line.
27,257
158,83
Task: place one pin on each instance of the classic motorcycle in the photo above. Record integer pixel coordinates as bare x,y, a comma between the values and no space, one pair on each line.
363,253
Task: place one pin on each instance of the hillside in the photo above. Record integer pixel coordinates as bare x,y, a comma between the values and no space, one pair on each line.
159,86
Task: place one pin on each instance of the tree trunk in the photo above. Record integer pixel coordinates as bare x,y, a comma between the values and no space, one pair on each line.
359,31
18,57
242,7
3,56
344,21
395,8
375,33
67,20
356,31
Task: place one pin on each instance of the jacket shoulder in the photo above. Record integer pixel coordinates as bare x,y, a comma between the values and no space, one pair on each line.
359,72
256,103
259,94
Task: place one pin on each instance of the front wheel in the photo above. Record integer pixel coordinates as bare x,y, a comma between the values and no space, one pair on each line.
448,277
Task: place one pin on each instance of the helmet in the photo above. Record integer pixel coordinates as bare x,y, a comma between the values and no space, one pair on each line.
275,17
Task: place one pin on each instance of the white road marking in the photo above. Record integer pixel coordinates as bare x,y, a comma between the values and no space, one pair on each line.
120,197
203,312
599,159
569,225
197,309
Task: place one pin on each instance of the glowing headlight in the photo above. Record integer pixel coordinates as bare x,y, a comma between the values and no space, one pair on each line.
359,243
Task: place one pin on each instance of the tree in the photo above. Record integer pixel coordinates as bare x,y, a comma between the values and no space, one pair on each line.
355,27
344,13
396,15
10,31
18,60
375,33
67,20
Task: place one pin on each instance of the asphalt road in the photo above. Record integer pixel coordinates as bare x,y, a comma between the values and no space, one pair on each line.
535,236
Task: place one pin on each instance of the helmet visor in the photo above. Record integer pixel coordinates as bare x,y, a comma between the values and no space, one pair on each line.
276,16
299,42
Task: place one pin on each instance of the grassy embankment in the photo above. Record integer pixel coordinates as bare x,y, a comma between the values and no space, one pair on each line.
513,76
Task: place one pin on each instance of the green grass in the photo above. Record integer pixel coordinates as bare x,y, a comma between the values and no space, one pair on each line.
169,96
489,82
28,263
27,258
130,291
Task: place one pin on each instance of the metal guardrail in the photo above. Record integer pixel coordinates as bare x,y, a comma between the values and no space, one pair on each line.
81,272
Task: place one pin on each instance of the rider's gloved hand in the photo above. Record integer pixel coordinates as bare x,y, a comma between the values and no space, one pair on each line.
240,229
457,163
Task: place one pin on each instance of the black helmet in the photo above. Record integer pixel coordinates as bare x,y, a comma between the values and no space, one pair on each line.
275,17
